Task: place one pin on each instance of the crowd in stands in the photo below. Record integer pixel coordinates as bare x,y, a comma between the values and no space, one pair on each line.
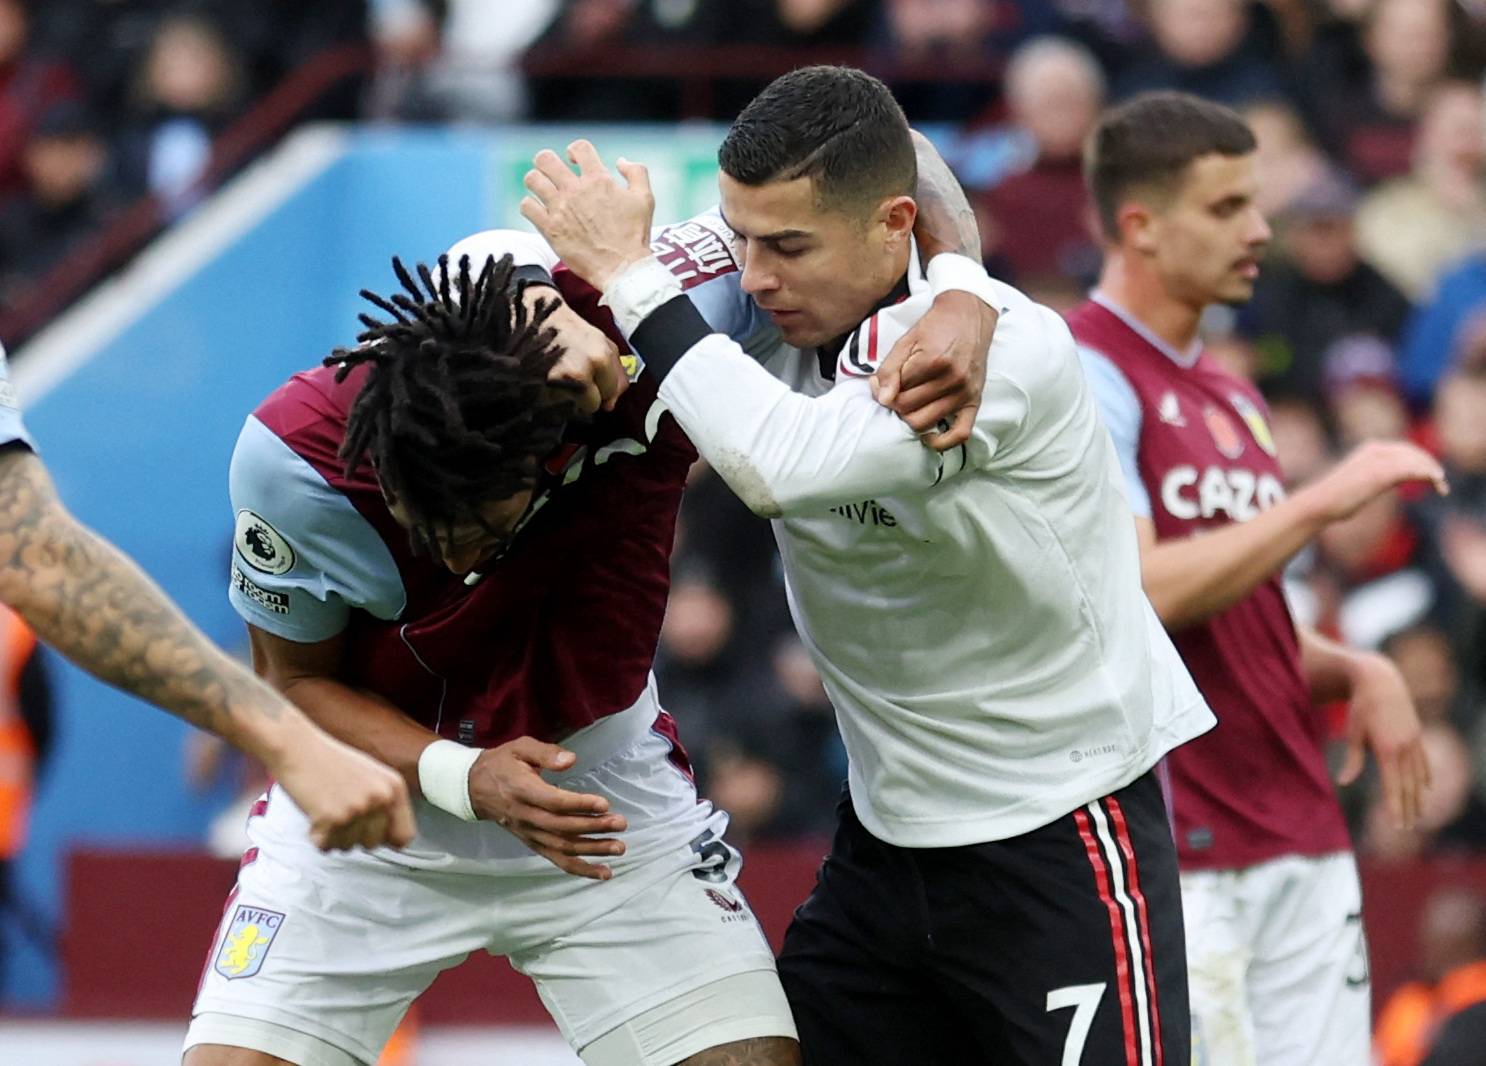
1369,320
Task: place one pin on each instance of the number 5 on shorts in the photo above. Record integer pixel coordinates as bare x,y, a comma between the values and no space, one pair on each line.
1084,999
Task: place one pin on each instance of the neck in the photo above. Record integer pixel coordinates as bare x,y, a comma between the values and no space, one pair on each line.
1140,292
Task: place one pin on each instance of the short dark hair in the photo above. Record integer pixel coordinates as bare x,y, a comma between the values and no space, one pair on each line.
839,126
1149,141
454,412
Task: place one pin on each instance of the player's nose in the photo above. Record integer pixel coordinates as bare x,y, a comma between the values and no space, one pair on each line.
461,560
755,279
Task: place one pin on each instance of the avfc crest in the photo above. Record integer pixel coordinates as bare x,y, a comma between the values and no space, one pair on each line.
1224,433
1254,419
260,545
245,945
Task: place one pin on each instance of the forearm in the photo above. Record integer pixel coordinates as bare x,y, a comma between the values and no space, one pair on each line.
1330,668
1191,579
946,221
84,598
779,450
364,721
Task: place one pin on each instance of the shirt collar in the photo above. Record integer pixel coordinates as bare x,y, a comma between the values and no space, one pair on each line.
1186,360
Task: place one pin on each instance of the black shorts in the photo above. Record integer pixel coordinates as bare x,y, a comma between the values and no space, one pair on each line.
1059,947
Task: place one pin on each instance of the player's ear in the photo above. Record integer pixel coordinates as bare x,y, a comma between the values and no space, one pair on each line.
897,216
1138,226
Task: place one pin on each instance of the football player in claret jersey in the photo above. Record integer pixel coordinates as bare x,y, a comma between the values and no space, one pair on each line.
1278,963
1003,886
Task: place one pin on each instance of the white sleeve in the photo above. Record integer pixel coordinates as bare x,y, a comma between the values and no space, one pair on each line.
1120,409
780,451
303,557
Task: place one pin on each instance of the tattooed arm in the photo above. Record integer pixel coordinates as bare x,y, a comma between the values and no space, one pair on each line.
84,598
946,221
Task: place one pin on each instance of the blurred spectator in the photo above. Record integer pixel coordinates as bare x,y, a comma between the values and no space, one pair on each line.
957,33
705,670
1037,217
463,69
1361,393
1286,162
189,87
1423,656
68,197
1412,227
1370,561
1451,979
1456,524
1366,86
274,38
1300,441
1318,293
785,760
29,86
1445,332
1207,47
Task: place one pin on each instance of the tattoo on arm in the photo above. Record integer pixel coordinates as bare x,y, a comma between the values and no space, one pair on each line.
945,214
86,599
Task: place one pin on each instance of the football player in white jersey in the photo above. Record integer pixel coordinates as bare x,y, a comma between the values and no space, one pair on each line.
1003,884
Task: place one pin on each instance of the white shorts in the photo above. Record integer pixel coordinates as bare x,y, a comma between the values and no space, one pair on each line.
335,947
1277,964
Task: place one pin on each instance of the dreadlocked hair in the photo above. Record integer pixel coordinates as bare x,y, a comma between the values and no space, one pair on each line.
454,413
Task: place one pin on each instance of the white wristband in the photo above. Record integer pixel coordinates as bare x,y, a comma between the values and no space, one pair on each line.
644,286
951,272
444,777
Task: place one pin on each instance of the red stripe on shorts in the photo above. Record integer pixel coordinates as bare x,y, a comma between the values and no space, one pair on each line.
1117,932
1127,848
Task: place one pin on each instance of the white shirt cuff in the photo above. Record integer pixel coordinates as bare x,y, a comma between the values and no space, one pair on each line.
949,272
643,287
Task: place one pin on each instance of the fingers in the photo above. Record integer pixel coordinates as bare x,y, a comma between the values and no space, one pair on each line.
934,417
548,797
372,829
541,755
957,434
402,827
637,175
540,185
577,867
606,387
556,171
1388,774
889,377
535,212
1352,765
570,844
586,157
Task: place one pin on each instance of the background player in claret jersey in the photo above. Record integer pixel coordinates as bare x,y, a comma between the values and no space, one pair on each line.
1003,886
1277,958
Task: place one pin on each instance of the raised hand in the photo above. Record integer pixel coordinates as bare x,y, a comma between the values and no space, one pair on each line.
598,226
